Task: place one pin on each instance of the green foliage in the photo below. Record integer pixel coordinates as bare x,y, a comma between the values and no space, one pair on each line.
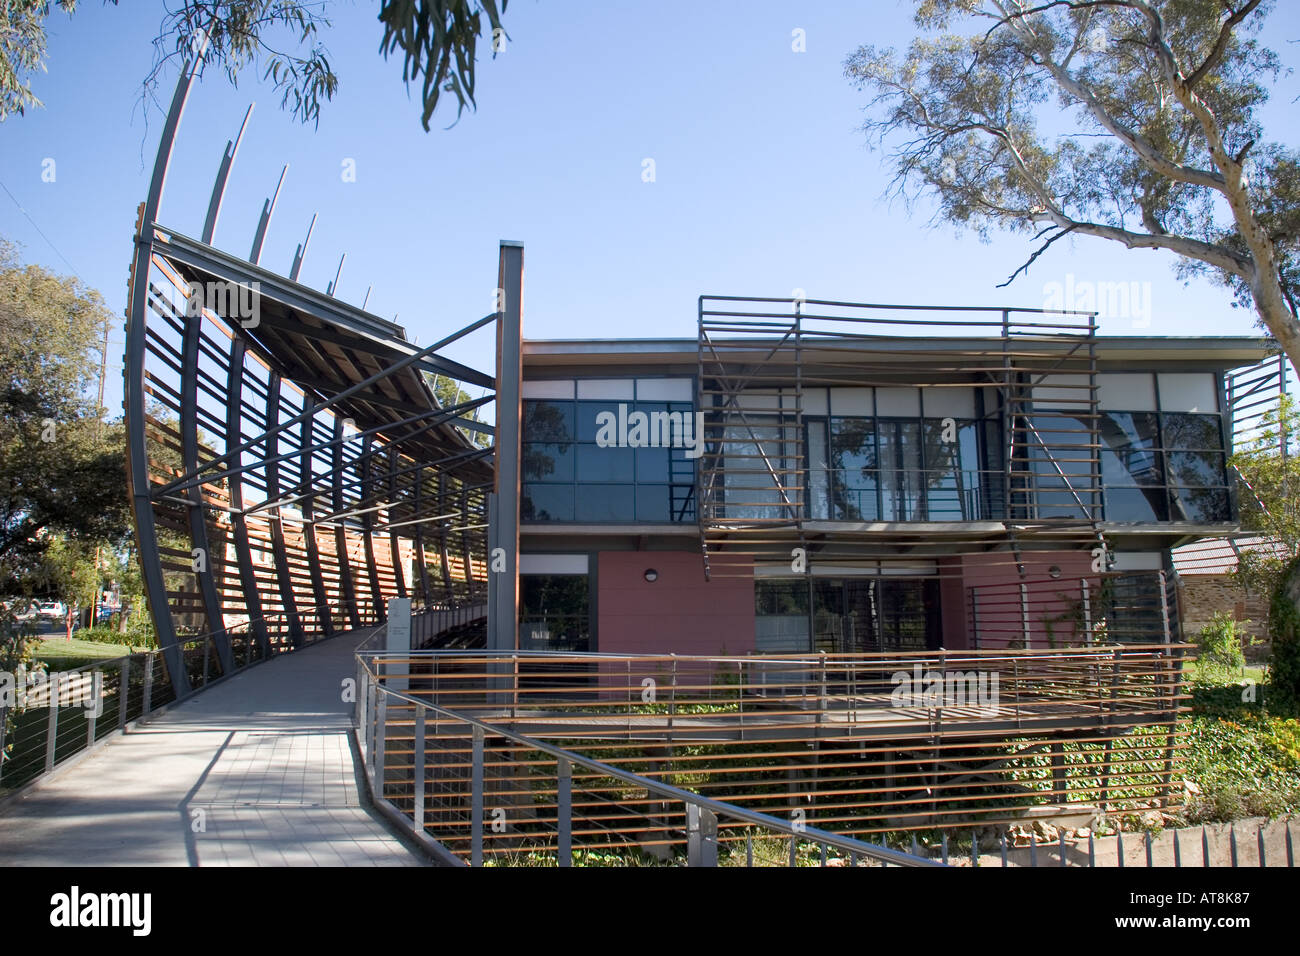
449,394
1219,644
1284,630
436,39
1269,496
62,471
1136,121
103,634
22,51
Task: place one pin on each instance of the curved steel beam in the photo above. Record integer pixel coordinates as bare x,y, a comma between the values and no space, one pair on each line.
301,252
146,532
368,530
324,612
288,600
223,173
205,561
346,583
264,222
394,540
239,524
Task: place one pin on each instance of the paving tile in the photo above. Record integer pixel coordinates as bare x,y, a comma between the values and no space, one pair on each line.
264,755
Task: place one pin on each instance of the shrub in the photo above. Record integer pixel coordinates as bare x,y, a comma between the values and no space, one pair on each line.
1284,628
1220,642
102,634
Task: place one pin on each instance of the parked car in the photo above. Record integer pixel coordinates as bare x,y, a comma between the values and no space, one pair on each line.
51,611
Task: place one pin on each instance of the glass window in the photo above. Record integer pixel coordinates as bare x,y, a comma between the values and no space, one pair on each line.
541,502
854,471
819,506
895,470
548,421
755,472
545,461
568,477
606,464
554,612
900,473
605,503
1192,431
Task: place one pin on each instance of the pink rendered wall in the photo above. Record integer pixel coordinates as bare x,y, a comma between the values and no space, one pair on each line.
1000,614
680,613
952,605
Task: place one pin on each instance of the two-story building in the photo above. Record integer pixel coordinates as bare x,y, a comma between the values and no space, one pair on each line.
826,476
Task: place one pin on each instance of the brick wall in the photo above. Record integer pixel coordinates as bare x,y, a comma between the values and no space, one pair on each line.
1201,595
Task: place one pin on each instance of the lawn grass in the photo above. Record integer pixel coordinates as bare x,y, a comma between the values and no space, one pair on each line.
62,654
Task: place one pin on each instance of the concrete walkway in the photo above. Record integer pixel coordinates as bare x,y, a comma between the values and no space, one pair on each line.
257,771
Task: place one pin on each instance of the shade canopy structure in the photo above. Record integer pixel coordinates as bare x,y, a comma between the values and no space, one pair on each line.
292,465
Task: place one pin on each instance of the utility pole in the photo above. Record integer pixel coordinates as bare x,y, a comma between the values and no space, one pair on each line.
103,375
100,412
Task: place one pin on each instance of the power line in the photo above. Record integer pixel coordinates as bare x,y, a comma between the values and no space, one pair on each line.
41,232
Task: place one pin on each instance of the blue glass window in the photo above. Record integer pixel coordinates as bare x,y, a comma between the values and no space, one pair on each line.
569,477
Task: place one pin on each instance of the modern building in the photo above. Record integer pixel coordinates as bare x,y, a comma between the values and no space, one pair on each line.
800,475
822,476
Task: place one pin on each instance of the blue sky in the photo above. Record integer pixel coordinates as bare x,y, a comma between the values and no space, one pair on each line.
764,183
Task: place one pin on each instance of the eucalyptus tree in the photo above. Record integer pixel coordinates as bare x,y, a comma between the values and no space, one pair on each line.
436,40
1135,121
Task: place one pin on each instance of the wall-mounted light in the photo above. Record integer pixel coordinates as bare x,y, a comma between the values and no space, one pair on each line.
651,575
1054,571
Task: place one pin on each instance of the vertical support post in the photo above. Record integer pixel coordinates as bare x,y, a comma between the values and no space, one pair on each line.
398,635
288,600
694,851
346,582
4,719
476,800
564,811
1024,613
1164,609
52,725
124,691
206,575
324,614
235,488
418,767
708,838
367,527
147,704
503,588
381,743
92,713
361,698
370,726
1085,595
394,540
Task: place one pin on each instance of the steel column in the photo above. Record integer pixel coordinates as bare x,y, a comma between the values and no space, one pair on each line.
324,613
349,592
239,525
189,428
368,526
288,599
503,588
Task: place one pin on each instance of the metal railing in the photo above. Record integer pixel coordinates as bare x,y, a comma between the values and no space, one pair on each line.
60,714
1114,608
860,745
526,801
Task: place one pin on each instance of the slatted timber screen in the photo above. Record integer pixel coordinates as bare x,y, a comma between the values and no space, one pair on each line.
864,744
305,532
762,361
